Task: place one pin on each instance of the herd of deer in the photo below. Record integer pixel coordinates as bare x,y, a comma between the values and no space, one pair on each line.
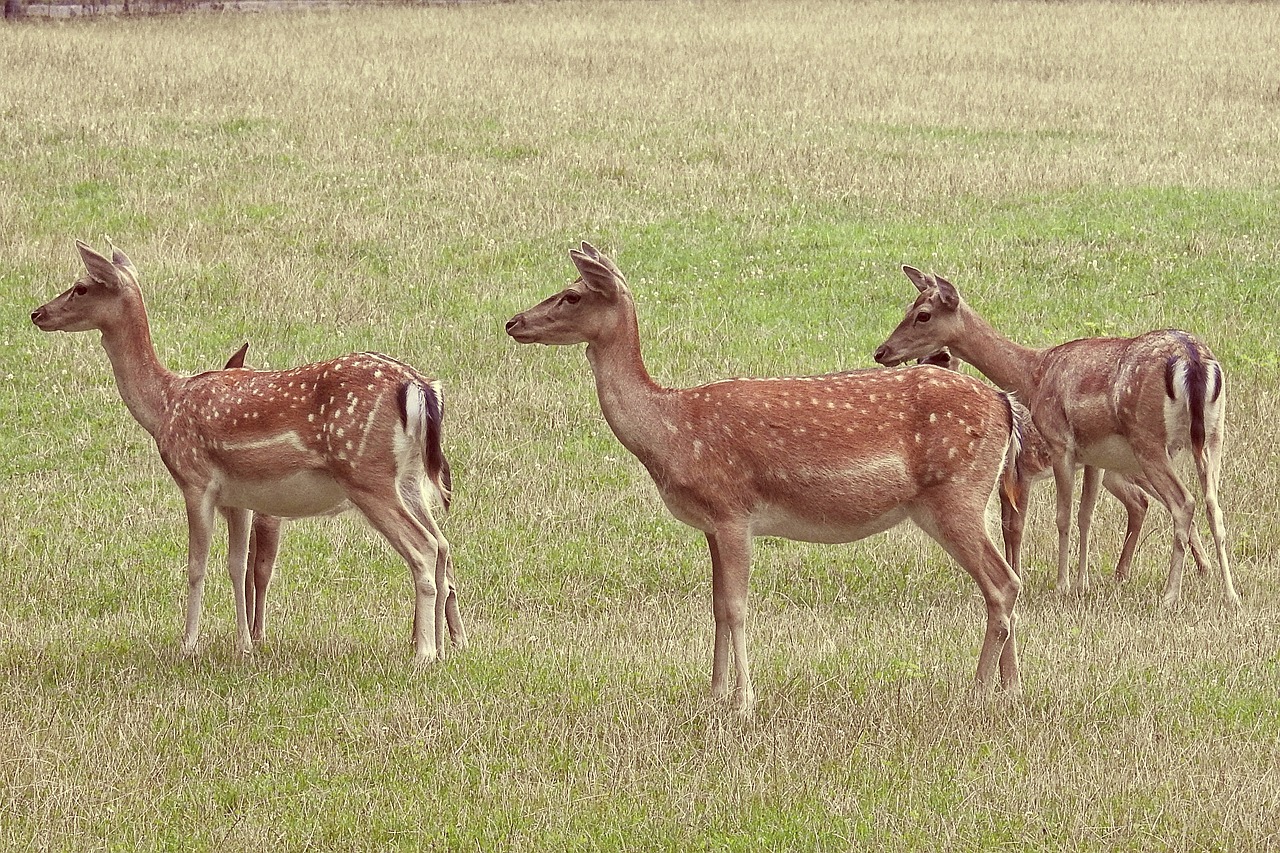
831,458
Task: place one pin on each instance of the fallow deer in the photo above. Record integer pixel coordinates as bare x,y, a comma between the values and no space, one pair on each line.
264,545
1121,404
1032,465
363,430
832,458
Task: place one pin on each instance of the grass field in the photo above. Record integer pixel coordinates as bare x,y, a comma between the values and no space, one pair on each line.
404,180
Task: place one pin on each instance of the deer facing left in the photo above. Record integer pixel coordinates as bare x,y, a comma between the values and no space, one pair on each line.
362,431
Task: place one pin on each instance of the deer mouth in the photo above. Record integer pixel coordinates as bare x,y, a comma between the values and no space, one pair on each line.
888,359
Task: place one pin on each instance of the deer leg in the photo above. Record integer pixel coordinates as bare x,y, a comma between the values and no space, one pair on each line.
966,540
237,568
1135,505
446,613
199,530
1170,491
457,633
264,544
1013,521
1089,486
730,570
389,516
1064,475
1209,468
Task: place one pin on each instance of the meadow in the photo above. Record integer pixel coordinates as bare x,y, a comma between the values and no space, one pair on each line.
403,180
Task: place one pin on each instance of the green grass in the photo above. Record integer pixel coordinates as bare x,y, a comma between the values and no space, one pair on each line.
404,180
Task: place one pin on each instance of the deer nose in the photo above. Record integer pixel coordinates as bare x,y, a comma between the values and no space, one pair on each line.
513,323
880,354
37,314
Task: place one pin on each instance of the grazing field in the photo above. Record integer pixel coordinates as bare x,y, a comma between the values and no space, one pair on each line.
404,180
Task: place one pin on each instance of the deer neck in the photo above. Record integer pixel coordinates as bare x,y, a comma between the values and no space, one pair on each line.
144,383
635,407
1009,365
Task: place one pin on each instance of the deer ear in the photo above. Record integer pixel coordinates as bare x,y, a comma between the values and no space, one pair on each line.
921,280
596,273
237,358
120,259
99,268
590,251
950,297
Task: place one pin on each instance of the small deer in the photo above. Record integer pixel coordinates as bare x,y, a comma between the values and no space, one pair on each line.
264,544
1127,405
832,458
363,430
1033,465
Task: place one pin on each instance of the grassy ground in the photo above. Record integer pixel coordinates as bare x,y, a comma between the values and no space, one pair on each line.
404,180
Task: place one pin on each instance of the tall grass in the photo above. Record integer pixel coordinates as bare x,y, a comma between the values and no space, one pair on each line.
405,179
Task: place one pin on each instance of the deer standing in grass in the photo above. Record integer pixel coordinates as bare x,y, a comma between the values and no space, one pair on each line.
832,458
264,545
362,430
1032,465
1122,404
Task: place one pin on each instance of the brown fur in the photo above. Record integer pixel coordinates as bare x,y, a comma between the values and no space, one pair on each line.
1098,402
1031,465
307,441
829,458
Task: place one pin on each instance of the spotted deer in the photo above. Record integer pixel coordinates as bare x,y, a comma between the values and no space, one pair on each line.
362,431
1032,465
832,458
264,545
1126,405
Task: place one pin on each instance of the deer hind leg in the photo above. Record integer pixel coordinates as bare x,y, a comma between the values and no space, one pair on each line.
1090,484
237,568
1170,491
1209,469
457,633
965,538
1135,503
419,548
264,545
199,531
730,571
446,613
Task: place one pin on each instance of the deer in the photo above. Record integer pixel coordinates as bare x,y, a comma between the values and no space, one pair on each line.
264,545
360,431
832,458
1032,465
1128,405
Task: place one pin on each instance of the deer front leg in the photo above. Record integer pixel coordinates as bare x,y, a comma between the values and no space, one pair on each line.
1064,475
199,529
730,571
237,568
1089,487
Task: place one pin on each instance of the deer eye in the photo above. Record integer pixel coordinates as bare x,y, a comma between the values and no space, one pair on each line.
572,297
80,290
923,317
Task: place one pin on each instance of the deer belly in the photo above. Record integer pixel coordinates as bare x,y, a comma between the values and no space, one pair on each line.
833,528
298,495
1113,453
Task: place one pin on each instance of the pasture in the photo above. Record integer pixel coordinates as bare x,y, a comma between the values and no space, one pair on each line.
404,180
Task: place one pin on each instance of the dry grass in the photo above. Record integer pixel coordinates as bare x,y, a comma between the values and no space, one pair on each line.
404,180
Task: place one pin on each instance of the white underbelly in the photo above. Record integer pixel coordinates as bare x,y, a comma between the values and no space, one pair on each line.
772,521
298,495
1113,453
